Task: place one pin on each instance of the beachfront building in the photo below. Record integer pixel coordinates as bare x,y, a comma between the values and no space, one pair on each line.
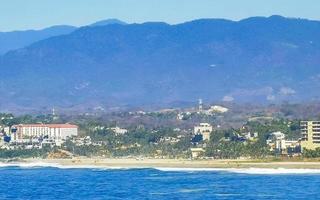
203,129
55,132
82,141
310,134
197,152
278,144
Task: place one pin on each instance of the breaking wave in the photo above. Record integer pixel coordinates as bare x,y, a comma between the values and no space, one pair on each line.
56,165
257,171
262,171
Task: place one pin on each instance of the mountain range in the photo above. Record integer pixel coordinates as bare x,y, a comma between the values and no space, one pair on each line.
259,59
18,39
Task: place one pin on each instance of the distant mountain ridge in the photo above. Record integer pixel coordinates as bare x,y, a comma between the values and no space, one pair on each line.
254,60
108,22
18,39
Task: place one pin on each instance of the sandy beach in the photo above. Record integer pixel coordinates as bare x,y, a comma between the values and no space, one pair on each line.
176,163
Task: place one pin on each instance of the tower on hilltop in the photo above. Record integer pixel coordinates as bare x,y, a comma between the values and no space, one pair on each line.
54,115
200,109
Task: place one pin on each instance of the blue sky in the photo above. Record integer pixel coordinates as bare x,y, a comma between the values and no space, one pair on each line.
36,14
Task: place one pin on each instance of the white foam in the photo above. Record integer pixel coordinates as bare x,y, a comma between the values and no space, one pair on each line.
271,171
56,165
261,171
276,171
187,169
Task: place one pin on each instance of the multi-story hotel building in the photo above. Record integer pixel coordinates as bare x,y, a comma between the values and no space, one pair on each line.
310,132
55,132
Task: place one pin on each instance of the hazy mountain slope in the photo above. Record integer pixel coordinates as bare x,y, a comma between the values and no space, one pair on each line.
19,39
108,22
257,59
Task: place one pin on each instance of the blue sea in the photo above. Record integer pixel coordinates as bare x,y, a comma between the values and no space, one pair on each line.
55,183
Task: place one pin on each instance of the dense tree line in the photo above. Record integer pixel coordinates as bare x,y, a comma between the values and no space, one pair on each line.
24,153
311,153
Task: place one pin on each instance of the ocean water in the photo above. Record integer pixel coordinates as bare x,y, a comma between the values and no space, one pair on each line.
52,182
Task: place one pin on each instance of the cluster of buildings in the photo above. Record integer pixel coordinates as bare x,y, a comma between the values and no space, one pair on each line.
82,141
116,130
170,140
280,145
310,139
201,132
37,135
277,141
201,109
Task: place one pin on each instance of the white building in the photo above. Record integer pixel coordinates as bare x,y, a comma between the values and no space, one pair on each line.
55,132
171,140
203,129
197,152
218,109
180,116
82,141
119,131
6,129
250,136
277,142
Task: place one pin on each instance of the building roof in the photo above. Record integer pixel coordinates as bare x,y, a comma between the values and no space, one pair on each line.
205,124
278,134
48,125
197,149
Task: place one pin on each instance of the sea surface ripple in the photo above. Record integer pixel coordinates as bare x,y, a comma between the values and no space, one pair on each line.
56,182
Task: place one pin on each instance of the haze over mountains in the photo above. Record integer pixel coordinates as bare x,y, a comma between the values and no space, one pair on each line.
18,39
254,60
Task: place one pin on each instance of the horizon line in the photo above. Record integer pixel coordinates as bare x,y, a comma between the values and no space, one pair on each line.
154,21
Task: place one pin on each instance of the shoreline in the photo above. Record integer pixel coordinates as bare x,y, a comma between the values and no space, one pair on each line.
171,163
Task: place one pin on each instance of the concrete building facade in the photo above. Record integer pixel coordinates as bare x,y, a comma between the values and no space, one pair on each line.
203,129
55,132
310,134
